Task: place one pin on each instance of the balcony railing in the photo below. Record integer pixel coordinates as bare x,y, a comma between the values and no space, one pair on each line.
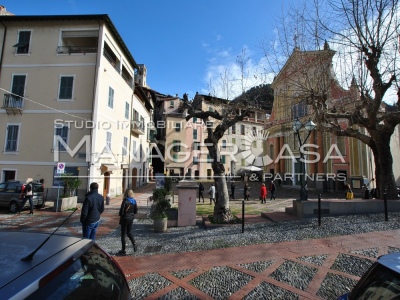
74,49
13,103
137,128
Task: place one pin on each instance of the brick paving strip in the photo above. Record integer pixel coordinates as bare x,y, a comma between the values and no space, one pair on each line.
233,257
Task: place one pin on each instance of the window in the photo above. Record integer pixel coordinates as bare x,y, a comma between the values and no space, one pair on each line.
194,120
108,141
233,141
196,145
18,85
254,129
223,143
61,133
299,110
242,130
68,170
340,141
195,160
24,38
171,104
127,108
223,159
177,127
177,145
66,87
12,138
110,97
234,129
195,134
209,159
125,147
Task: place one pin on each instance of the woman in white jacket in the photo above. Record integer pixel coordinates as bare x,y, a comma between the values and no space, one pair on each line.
211,191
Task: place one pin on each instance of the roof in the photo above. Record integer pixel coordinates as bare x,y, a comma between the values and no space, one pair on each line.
391,261
16,274
102,17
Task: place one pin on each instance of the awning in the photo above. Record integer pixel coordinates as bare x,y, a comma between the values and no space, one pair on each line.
22,44
108,168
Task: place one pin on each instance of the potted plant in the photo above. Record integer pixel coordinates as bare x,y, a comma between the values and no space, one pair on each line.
158,211
68,199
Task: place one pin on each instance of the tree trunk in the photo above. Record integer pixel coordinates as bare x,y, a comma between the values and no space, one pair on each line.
384,176
222,212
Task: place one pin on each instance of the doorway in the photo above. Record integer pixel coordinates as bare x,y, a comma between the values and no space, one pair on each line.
106,185
9,175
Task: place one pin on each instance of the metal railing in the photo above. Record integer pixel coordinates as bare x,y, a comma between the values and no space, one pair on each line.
13,101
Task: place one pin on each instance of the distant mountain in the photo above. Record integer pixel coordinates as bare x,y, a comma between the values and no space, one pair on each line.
261,96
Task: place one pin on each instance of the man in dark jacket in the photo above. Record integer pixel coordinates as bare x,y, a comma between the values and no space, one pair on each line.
127,213
92,208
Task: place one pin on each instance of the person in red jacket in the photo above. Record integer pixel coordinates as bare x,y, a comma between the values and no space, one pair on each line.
263,193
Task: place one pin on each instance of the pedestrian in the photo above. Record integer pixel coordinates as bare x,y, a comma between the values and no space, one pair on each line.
263,193
92,208
246,192
272,189
233,189
211,192
127,213
27,196
201,191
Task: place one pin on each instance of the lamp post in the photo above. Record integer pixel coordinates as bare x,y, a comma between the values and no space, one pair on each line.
297,126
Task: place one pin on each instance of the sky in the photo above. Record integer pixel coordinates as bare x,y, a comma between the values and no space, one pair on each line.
186,45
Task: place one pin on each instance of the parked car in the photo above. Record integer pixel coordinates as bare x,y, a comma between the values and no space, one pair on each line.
11,197
63,267
381,281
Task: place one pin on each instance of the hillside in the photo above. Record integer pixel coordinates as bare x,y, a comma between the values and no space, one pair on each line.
261,96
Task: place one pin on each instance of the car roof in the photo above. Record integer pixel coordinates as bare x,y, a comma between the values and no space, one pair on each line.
17,275
391,261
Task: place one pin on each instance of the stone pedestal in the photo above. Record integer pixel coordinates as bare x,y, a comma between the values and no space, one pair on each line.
187,195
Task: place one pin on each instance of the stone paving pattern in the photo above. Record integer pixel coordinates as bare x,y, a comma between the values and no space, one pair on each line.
307,269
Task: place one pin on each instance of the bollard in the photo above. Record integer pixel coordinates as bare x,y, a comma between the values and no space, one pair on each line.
242,216
319,209
385,202
108,199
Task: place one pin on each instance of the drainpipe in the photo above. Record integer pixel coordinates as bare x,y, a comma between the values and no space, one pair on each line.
2,47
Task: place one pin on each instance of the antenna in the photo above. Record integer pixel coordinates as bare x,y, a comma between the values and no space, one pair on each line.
30,256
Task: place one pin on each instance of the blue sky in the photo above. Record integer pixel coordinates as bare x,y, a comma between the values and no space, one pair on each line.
185,44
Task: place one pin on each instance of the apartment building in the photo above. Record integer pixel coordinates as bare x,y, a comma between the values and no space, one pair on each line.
69,95
184,148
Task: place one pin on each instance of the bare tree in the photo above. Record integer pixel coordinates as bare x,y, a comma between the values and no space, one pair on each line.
224,115
363,36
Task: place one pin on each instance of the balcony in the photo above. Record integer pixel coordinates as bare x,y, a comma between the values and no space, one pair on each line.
137,128
76,50
13,104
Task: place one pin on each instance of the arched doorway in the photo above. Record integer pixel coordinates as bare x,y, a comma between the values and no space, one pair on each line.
134,178
106,184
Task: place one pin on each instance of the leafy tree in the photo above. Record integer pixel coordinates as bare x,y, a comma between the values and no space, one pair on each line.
363,43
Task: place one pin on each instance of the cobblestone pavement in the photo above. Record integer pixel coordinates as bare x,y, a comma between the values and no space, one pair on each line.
317,268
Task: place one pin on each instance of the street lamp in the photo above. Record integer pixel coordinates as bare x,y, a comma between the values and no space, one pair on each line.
309,126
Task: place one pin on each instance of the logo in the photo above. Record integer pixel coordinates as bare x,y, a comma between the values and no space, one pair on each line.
249,152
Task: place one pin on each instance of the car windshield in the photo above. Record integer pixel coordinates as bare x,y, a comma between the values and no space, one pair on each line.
380,283
93,276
